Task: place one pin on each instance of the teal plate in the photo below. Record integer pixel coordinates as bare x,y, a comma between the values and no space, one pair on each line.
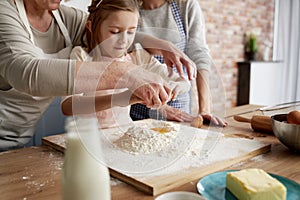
213,187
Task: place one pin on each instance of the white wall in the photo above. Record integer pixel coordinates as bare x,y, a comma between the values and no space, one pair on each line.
265,83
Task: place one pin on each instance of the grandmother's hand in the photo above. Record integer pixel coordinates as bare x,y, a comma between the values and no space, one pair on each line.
153,95
147,86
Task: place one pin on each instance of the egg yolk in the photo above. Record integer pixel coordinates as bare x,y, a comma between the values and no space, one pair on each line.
161,130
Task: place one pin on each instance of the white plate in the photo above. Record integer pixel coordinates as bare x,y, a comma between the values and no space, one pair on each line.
179,196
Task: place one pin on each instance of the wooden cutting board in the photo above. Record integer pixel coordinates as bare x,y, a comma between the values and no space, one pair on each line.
228,150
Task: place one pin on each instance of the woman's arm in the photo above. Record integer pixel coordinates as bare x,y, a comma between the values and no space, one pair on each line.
93,76
198,51
172,55
23,67
204,99
77,104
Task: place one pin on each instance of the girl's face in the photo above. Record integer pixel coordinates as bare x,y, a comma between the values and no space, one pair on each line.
117,33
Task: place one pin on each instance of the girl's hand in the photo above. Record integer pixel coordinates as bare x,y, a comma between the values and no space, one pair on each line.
215,120
147,86
174,114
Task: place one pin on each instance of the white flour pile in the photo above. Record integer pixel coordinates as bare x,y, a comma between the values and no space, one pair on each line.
147,138
206,151
139,150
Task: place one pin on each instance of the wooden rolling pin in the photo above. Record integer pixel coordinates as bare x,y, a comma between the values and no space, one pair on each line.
258,122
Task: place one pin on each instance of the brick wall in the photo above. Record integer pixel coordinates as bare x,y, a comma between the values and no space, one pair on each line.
227,21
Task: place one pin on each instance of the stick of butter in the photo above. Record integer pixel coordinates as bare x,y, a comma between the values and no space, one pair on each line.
254,184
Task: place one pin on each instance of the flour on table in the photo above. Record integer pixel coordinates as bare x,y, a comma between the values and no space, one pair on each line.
141,150
148,137
208,149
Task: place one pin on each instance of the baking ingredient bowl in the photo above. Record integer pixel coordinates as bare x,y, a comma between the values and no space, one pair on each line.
288,134
180,196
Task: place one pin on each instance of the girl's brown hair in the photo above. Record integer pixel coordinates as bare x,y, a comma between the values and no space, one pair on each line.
99,10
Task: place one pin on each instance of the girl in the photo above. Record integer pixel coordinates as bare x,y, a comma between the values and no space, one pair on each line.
110,31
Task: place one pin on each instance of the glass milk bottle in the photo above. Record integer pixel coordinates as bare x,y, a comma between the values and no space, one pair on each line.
84,177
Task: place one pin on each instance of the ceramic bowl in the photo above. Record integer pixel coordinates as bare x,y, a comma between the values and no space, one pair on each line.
288,134
180,196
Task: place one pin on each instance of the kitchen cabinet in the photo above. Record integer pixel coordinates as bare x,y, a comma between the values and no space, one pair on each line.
259,82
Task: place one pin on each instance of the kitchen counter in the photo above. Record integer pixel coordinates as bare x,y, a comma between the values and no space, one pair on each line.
35,172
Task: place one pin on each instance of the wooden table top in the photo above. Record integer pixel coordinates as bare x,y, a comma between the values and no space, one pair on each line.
35,172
